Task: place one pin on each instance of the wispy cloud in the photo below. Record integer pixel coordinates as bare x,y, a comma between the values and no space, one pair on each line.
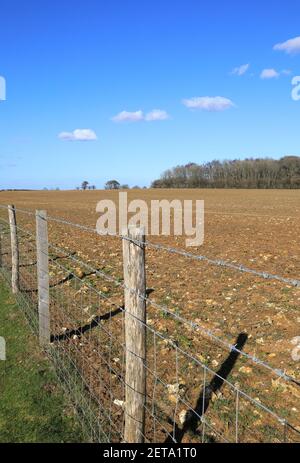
240,70
127,116
291,46
78,135
269,74
137,116
157,115
209,103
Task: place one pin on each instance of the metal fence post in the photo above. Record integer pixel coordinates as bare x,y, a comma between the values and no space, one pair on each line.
43,276
135,334
15,282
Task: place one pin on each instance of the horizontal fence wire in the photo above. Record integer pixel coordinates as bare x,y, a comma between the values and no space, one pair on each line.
88,349
193,325
218,262
182,252
178,350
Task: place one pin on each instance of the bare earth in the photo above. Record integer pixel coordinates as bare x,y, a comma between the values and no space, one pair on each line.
257,228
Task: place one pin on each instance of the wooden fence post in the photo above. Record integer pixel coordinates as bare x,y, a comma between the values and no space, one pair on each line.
43,276
135,334
15,282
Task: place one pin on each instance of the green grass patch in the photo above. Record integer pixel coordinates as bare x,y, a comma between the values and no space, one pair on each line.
33,407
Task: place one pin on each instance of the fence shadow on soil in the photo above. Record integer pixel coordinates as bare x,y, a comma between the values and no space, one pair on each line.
192,421
100,366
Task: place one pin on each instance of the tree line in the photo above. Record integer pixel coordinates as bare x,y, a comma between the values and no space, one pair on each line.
110,185
248,173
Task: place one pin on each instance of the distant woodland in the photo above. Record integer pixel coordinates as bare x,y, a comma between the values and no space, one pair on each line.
248,173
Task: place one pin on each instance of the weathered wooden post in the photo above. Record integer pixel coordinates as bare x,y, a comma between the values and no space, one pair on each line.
15,282
135,334
43,276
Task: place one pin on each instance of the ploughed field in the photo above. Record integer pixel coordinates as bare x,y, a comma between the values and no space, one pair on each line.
257,228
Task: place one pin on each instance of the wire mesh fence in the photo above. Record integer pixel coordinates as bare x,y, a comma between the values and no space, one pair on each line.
186,398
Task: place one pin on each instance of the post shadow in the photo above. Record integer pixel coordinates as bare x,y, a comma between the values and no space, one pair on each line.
194,417
89,326
94,323
69,277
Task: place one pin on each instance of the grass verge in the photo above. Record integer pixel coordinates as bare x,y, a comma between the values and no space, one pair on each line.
33,407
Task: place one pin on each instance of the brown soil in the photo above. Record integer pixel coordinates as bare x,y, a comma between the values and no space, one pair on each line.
259,229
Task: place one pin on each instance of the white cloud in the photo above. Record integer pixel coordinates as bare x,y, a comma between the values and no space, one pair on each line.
241,70
157,115
209,103
290,46
78,135
269,74
136,116
126,116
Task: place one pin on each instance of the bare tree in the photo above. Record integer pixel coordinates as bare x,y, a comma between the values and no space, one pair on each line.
247,173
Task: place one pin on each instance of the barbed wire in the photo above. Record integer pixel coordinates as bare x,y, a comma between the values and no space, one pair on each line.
171,343
190,323
224,263
182,252
18,228
17,209
218,262
209,333
177,349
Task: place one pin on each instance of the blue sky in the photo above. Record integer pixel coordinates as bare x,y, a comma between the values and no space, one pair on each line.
77,65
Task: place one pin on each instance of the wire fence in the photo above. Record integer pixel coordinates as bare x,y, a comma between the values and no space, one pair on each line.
186,398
